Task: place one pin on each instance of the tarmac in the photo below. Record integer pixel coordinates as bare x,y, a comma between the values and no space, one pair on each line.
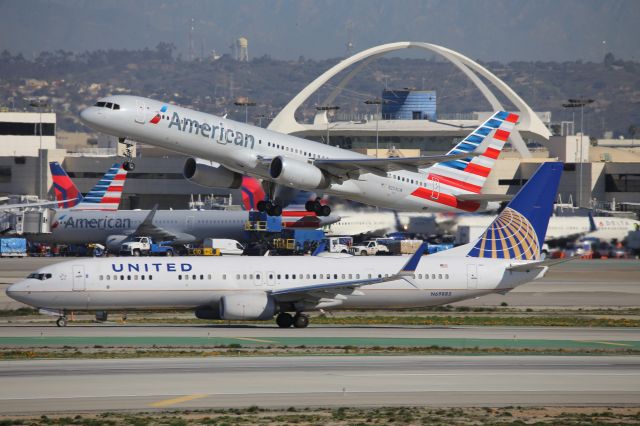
180,383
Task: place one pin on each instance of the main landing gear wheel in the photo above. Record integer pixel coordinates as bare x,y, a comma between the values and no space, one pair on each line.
300,320
61,322
269,207
284,320
317,207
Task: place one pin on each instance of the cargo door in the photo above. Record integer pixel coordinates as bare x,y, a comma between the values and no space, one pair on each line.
472,276
78,278
189,223
140,112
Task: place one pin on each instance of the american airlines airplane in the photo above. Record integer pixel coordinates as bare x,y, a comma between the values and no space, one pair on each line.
505,256
96,218
441,183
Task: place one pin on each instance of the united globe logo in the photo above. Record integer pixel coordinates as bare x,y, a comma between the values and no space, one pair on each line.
510,236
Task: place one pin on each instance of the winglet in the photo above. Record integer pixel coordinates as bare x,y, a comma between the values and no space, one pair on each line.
410,267
592,223
321,247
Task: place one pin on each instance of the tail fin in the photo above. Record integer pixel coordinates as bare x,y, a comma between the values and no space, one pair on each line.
106,194
469,174
64,187
252,192
519,231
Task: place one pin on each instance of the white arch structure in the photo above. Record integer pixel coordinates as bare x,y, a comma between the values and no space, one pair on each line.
529,123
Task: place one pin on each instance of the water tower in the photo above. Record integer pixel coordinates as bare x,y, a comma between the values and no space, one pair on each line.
242,49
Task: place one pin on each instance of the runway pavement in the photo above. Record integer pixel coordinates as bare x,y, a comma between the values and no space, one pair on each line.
144,384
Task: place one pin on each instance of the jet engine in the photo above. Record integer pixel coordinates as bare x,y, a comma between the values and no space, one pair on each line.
208,312
248,306
298,174
114,242
211,176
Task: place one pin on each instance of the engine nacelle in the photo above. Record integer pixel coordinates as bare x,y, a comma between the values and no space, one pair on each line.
248,306
297,174
114,242
211,176
208,312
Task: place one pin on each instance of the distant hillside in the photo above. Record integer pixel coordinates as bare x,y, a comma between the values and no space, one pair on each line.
71,82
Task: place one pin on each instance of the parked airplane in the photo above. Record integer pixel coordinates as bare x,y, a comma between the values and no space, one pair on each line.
451,182
504,257
570,228
96,218
372,223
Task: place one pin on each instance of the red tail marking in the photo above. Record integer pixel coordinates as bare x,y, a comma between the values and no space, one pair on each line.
502,135
491,153
512,118
477,169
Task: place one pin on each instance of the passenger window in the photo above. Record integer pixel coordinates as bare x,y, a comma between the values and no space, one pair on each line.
439,276
446,276
100,277
194,276
121,277
180,277
237,276
293,276
209,276
257,276
286,276
350,276
433,276
314,276
142,277
150,277
129,277
108,277
135,277
186,277
224,276
244,276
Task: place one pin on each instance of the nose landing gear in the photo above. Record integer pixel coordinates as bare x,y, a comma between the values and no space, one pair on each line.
128,163
62,321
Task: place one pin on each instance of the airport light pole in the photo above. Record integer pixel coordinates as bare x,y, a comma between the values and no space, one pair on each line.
377,102
326,109
246,103
39,105
579,103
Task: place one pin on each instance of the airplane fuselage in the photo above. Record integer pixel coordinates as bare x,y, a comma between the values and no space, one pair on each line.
190,282
248,149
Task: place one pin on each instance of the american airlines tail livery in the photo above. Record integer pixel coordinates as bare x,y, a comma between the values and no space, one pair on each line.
452,182
505,256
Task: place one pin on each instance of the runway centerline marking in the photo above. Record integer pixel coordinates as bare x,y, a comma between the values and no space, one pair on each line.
249,339
174,401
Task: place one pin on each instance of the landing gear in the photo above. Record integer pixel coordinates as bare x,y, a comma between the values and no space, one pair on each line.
284,320
269,207
300,320
128,163
61,322
317,207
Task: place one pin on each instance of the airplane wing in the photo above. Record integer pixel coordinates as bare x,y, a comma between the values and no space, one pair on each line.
341,289
148,229
527,267
380,166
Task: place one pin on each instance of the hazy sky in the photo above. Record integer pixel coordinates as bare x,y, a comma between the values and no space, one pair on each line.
501,30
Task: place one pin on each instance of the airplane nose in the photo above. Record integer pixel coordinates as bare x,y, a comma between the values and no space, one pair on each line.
86,116
18,291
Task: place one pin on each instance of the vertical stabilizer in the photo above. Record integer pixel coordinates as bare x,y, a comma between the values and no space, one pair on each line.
107,193
67,194
519,231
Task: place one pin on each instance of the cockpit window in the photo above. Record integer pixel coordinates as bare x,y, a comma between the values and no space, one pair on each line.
109,105
40,276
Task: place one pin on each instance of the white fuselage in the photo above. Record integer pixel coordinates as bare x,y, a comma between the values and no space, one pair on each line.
190,282
381,223
563,227
248,149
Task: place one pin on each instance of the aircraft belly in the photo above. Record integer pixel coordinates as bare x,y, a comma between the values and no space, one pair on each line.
132,299
408,298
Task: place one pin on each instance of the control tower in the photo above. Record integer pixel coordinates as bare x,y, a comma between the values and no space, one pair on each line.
242,49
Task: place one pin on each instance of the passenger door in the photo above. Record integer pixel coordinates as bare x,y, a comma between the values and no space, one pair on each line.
140,112
78,278
271,278
435,188
258,279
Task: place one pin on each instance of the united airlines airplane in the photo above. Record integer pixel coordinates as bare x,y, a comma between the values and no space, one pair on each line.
258,288
441,183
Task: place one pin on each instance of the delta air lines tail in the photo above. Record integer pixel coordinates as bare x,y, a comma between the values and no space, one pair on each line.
105,195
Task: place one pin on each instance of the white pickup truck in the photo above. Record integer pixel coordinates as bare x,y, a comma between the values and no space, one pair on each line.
369,248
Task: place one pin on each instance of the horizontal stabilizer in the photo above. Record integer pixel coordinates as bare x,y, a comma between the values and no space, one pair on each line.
539,265
484,197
